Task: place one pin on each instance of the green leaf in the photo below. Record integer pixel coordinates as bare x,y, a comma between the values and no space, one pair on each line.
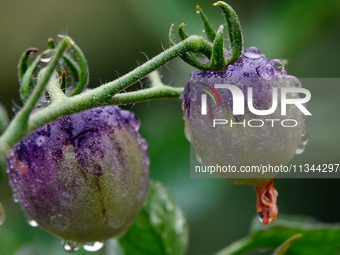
160,227
316,238
286,245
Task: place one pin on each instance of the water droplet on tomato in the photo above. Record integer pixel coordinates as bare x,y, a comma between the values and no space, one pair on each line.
32,223
70,246
265,72
277,64
96,246
46,57
252,52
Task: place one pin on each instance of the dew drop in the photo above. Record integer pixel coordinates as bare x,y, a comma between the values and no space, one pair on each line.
294,82
45,60
96,246
131,118
115,222
32,223
2,214
125,191
231,67
198,12
70,246
199,159
304,137
15,198
260,214
59,222
144,144
40,140
300,149
187,133
265,72
277,64
203,31
147,160
252,52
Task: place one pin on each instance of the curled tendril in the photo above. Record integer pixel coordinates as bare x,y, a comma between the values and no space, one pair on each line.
215,51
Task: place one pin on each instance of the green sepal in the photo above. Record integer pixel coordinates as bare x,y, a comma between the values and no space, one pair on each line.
208,29
63,82
27,83
181,32
171,35
83,70
234,30
23,62
191,58
193,61
51,43
285,62
217,58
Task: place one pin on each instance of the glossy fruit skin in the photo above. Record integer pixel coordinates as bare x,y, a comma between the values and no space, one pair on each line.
83,177
239,145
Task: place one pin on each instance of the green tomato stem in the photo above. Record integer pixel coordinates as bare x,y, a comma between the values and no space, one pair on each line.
18,128
104,95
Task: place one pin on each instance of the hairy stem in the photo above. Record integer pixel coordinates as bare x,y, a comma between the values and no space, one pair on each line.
104,95
18,128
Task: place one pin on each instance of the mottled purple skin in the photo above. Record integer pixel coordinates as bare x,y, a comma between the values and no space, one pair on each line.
244,73
83,177
224,145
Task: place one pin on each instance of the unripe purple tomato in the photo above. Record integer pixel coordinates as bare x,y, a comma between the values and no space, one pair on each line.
243,144
83,177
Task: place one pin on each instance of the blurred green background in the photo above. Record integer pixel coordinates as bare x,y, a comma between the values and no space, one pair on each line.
113,34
